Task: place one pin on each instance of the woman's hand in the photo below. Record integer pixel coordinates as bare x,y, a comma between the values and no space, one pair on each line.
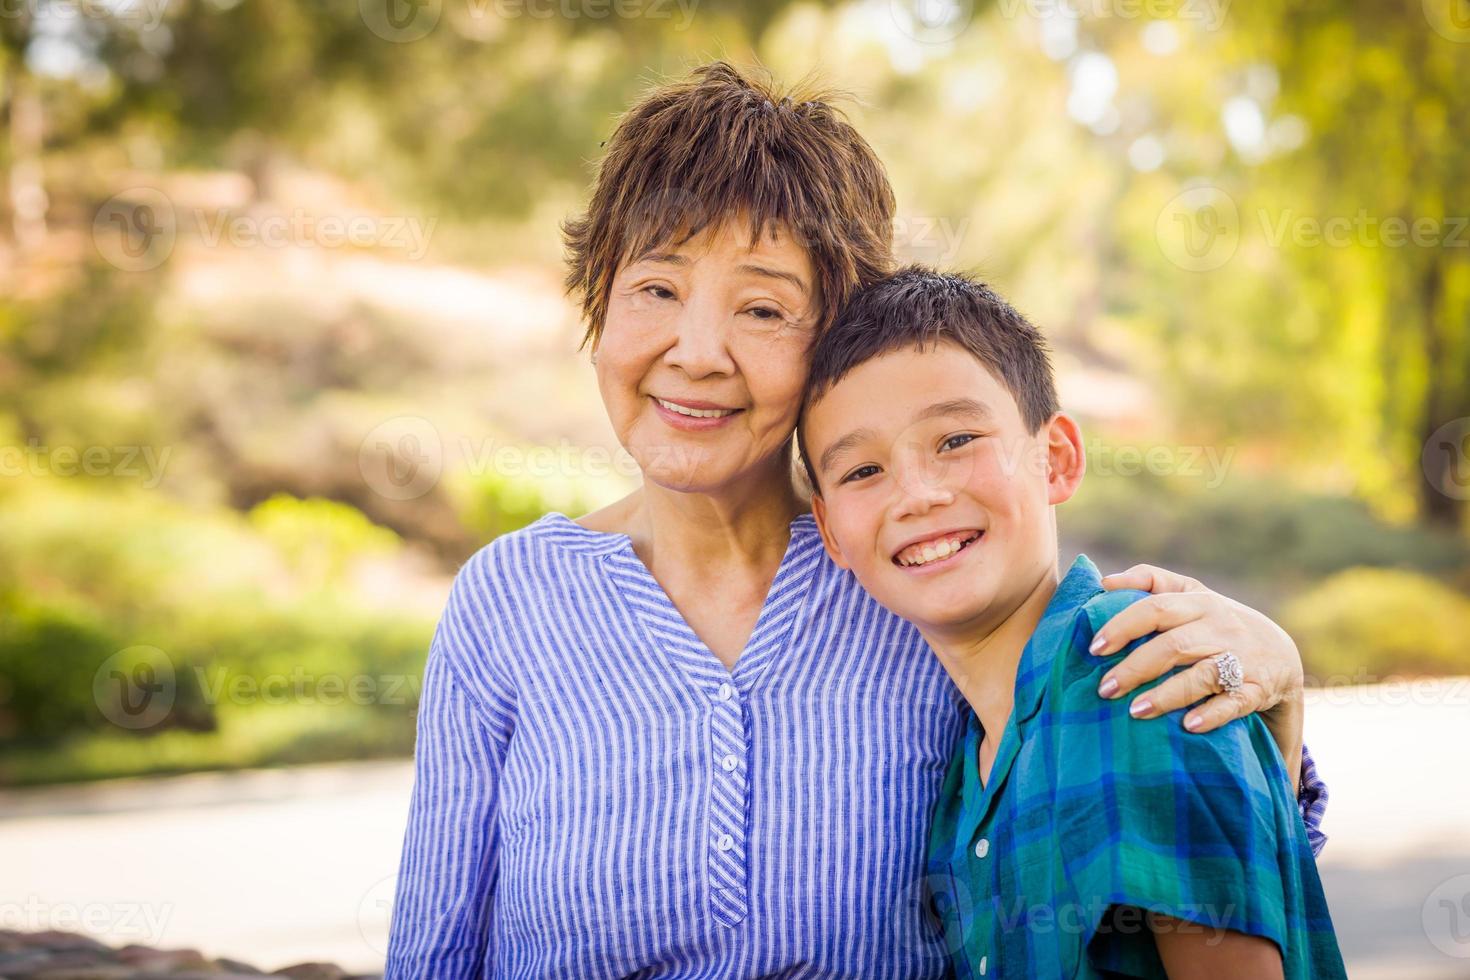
1195,623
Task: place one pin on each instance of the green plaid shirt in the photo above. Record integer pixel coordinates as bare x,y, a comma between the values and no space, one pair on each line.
1090,815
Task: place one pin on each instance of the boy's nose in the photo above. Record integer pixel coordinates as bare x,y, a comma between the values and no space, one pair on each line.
920,489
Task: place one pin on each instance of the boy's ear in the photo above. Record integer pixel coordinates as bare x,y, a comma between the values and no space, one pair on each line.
1066,460
819,511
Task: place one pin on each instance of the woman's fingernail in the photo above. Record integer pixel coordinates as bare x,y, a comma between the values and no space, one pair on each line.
1098,642
1140,707
1108,687
1193,722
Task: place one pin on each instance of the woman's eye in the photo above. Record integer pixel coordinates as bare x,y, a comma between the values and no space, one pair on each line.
659,292
860,473
956,441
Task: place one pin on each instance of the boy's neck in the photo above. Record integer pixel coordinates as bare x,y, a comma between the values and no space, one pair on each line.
983,662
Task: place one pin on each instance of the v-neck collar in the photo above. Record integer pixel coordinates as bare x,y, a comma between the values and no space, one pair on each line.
1050,638
673,634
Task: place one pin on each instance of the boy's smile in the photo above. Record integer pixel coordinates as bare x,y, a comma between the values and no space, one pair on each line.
931,551
933,492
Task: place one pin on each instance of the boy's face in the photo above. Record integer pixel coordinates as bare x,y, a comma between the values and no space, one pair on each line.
933,491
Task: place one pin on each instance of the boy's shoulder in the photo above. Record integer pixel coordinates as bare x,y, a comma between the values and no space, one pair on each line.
1076,674
1074,662
1104,605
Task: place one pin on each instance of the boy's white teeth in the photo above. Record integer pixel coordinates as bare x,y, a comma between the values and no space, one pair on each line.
697,413
922,554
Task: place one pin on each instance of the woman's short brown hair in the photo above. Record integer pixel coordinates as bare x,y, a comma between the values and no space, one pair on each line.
723,143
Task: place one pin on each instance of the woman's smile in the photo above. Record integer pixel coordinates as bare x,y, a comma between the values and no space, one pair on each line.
692,415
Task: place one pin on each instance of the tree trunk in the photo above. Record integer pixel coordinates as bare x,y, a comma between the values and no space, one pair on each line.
1445,446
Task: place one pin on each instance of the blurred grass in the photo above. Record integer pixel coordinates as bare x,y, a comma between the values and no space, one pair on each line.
1253,530
1363,625
262,736
275,653
1364,597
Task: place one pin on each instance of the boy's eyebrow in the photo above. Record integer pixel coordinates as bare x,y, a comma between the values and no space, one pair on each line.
841,446
963,407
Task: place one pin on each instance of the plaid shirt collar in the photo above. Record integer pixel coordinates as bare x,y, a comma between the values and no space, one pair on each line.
1052,634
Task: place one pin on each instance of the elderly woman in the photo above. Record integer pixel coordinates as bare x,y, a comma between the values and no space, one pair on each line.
671,738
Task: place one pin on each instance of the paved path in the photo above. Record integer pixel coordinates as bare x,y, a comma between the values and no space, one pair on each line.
281,866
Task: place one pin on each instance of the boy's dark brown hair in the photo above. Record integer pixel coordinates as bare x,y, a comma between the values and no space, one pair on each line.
917,308
723,143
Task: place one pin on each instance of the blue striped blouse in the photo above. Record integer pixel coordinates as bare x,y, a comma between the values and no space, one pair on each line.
596,795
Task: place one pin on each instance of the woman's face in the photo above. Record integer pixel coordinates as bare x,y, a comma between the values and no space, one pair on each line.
704,353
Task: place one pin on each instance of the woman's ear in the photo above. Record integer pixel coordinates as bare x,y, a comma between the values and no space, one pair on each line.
819,511
1066,460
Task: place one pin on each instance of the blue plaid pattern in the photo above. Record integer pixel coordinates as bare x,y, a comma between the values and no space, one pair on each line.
1090,816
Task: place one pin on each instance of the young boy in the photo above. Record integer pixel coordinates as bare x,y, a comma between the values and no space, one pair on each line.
1069,840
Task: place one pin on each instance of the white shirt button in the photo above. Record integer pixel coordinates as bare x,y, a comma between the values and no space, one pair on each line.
725,842
729,762
982,847
725,692
982,965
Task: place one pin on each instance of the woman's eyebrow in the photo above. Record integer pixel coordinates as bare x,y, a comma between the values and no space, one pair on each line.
666,258
791,277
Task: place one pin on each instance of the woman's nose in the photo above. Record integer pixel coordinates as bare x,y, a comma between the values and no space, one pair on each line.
700,345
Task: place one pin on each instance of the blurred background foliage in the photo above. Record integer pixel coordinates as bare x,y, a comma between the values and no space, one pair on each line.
200,386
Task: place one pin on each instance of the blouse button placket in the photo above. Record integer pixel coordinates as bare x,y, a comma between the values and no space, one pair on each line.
728,865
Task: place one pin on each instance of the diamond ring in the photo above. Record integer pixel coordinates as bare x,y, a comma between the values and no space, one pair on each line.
1228,672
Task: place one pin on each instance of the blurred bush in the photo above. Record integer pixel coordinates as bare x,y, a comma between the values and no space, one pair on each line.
1364,624
269,652
491,504
319,538
1257,532
282,634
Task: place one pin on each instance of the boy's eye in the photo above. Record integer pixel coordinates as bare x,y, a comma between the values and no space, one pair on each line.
860,473
957,440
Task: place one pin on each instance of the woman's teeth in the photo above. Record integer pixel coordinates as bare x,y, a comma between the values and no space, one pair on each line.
922,554
696,413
